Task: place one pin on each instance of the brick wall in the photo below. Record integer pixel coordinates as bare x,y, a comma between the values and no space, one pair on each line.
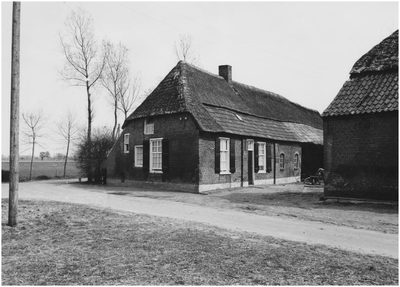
192,156
207,173
289,150
207,162
183,136
361,156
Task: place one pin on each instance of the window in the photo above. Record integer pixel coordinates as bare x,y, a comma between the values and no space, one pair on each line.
224,159
126,143
296,161
149,126
261,157
155,155
282,161
250,145
139,156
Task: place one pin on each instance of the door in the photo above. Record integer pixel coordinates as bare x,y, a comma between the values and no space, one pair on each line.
251,167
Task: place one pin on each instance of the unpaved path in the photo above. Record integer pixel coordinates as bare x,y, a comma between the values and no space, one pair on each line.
356,240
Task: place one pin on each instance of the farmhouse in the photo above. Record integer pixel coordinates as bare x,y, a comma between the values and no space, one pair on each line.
199,131
361,128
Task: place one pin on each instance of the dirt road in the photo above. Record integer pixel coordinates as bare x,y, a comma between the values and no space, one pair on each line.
356,240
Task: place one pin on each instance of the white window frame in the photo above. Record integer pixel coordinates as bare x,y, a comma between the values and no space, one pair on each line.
296,166
262,158
149,126
224,161
126,143
281,163
137,164
151,153
250,145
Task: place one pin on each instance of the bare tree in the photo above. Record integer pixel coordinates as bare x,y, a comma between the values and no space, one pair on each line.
35,123
68,129
128,97
184,49
116,77
84,60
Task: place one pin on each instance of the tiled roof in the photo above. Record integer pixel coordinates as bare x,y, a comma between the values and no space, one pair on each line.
370,94
382,57
373,85
208,97
247,125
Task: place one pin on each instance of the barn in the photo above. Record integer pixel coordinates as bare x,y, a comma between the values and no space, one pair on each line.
361,129
198,131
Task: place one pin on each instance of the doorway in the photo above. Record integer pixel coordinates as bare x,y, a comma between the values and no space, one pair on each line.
251,167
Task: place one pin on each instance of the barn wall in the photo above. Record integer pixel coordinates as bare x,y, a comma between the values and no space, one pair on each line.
361,156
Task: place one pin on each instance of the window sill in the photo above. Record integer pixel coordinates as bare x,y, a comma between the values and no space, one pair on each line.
156,171
224,172
138,166
262,171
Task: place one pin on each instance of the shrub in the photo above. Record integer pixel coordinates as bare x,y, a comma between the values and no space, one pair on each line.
90,157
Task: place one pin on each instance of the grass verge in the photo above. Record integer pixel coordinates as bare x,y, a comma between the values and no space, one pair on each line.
64,244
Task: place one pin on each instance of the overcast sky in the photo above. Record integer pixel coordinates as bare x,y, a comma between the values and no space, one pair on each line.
302,51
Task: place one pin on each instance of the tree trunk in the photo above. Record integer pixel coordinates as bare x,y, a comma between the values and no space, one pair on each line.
114,132
66,158
89,171
33,154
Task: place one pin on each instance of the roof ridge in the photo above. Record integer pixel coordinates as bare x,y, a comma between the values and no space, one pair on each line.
380,57
200,69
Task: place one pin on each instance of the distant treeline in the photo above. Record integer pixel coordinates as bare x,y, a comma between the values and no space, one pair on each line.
56,157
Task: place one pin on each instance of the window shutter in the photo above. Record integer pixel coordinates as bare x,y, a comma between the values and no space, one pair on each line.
269,157
256,165
232,168
146,156
165,159
217,155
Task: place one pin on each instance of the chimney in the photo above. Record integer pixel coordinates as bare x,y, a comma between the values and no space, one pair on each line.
225,72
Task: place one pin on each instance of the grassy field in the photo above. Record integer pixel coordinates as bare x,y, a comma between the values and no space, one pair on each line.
64,244
43,170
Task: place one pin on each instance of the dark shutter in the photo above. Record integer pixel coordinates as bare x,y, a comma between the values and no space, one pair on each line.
269,157
217,155
256,166
146,156
232,168
165,159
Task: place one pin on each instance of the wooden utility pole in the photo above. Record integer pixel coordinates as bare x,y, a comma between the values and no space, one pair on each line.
14,116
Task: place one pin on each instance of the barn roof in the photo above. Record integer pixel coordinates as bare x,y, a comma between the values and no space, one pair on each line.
219,106
383,56
373,84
